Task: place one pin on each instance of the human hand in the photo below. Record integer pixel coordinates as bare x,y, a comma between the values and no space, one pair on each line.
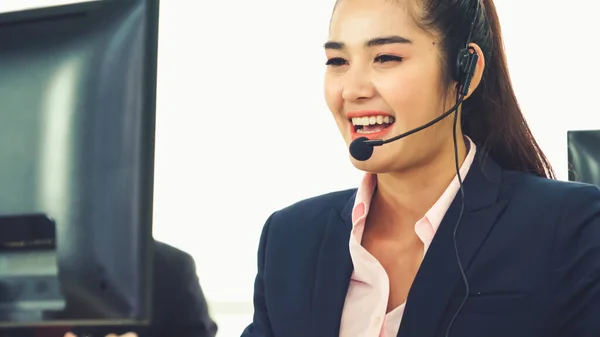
129,334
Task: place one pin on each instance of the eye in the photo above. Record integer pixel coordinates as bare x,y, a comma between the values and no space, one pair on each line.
387,58
336,62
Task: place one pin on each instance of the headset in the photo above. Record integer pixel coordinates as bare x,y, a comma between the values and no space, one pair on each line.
466,63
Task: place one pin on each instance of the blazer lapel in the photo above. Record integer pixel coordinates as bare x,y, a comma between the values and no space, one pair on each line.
439,275
333,274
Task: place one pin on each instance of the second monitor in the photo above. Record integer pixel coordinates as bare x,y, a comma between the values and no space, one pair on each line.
584,156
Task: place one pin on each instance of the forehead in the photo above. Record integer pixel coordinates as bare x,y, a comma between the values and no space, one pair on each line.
356,21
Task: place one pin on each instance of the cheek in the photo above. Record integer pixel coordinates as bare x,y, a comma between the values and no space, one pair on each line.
401,92
410,96
333,94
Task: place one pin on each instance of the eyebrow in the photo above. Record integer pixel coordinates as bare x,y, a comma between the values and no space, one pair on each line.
378,41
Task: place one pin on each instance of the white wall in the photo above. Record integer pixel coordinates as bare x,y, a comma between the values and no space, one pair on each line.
235,75
553,49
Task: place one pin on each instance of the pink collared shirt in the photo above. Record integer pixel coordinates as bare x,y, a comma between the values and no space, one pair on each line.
365,308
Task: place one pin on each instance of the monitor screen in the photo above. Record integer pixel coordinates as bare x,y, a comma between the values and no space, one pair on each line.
77,114
584,156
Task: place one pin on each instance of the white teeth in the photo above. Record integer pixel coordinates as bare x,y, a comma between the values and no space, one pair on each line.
372,120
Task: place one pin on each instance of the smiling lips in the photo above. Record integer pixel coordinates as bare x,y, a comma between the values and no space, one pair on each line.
370,124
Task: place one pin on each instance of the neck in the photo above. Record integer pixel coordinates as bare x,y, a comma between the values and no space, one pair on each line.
405,197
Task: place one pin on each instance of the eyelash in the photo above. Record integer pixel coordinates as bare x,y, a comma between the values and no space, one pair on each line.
387,58
338,61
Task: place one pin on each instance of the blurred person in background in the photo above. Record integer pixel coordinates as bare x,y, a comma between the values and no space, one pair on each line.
179,306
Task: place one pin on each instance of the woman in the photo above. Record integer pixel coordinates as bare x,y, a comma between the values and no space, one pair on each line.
390,259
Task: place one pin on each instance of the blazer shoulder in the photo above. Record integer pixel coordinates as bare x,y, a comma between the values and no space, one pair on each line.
312,211
316,205
168,259
548,192
165,250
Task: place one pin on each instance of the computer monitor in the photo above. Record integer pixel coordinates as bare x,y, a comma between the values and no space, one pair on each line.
77,115
584,156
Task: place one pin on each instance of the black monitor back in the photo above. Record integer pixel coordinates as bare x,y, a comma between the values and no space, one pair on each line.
77,114
584,156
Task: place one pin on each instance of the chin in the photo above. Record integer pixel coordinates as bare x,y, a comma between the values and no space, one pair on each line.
377,164
388,160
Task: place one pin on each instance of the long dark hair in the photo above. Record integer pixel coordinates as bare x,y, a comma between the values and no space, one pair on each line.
492,117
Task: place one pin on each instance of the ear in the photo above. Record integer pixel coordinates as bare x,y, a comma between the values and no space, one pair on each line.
478,70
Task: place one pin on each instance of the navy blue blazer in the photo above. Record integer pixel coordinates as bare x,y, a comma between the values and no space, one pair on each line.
530,247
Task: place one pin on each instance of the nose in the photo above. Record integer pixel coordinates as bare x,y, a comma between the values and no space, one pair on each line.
357,86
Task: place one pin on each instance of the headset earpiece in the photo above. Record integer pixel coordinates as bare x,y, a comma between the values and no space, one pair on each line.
466,64
461,61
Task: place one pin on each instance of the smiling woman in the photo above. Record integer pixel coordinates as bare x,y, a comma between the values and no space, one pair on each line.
389,258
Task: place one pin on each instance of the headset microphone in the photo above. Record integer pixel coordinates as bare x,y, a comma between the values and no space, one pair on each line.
362,148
